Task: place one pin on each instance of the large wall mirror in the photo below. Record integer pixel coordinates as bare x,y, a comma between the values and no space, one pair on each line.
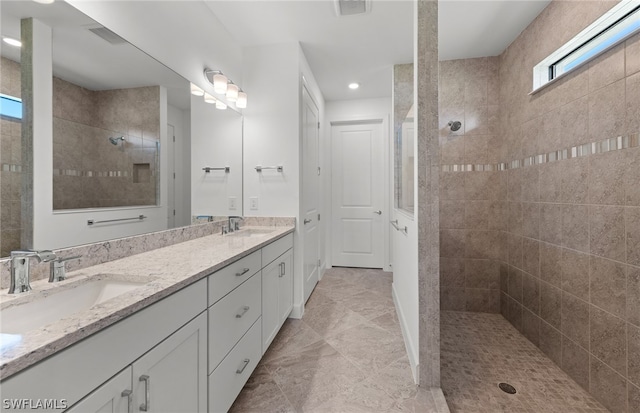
404,139
111,103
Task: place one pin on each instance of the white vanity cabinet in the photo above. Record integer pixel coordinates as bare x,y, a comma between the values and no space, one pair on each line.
192,351
259,285
169,378
277,296
114,396
82,372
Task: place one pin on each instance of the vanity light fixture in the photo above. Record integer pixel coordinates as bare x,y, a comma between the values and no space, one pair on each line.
11,41
196,91
242,100
232,92
209,99
353,86
224,86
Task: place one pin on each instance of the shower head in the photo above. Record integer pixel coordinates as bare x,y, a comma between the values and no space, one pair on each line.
115,141
454,125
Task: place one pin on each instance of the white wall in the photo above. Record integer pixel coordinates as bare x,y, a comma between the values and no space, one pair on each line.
273,74
349,110
216,141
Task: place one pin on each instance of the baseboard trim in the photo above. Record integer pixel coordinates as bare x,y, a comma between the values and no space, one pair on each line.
411,352
297,311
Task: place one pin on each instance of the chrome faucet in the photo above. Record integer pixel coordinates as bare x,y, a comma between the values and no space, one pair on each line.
20,268
234,223
57,269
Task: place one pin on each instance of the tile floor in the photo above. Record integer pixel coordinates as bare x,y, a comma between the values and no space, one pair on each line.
345,355
480,350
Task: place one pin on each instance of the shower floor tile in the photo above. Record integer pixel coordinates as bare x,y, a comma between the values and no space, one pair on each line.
479,351
346,355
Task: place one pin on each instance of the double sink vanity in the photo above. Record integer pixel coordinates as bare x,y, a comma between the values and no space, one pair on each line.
175,329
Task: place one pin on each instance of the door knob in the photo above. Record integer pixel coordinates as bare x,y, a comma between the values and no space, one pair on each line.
378,212
306,221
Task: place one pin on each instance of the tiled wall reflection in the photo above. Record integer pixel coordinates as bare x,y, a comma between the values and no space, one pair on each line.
11,163
89,171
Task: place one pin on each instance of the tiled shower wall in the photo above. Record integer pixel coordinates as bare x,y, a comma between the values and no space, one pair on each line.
91,172
10,163
472,204
573,225
561,236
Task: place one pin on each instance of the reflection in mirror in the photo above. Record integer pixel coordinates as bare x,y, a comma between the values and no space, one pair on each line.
111,104
404,138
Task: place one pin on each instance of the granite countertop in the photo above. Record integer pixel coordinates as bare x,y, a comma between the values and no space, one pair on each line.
162,271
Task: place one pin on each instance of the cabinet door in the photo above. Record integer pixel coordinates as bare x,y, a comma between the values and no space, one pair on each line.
270,314
112,397
172,377
285,286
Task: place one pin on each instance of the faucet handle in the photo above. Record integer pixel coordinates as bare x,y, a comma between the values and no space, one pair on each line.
57,269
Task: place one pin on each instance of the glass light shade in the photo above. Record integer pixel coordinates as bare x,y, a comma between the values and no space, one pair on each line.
209,99
232,92
220,83
12,41
220,105
196,91
241,103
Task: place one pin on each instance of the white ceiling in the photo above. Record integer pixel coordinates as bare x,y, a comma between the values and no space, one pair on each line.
364,48
340,50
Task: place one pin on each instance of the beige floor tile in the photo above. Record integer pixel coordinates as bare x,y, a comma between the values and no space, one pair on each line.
292,338
361,398
330,319
314,375
261,394
370,347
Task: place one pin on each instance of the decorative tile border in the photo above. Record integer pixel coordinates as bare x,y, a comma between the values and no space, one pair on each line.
607,145
7,167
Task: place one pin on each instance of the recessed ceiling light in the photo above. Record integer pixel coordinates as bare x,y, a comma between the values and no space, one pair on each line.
44,1
12,41
353,85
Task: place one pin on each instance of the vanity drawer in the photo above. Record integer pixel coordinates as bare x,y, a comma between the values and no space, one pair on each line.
227,380
223,281
276,249
231,317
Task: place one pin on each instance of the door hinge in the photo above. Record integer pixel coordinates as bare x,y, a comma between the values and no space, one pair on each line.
318,171
318,217
174,175
174,212
318,263
318,125
174,138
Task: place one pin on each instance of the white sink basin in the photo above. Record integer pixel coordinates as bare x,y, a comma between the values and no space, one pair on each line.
251,232
68,300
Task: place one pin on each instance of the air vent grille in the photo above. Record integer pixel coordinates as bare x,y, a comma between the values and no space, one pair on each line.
351,7
108,35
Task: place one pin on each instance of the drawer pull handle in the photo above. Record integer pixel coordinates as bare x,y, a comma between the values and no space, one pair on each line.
244,311
245,362
243,272
283,269
129,395
144,407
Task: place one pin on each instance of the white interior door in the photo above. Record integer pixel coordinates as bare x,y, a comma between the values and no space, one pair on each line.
310,190
357,183
171,187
